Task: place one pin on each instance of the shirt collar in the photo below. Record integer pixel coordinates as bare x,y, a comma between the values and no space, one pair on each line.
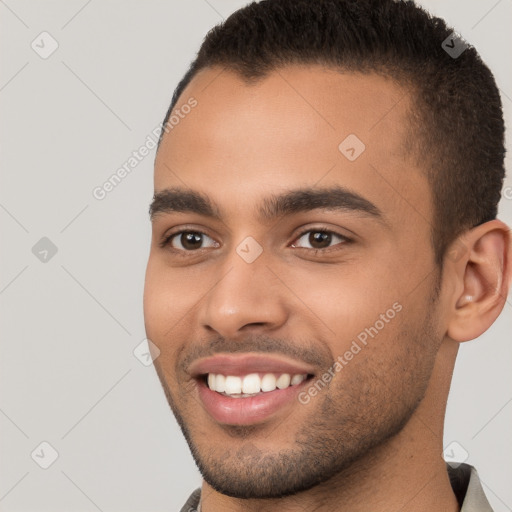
466,484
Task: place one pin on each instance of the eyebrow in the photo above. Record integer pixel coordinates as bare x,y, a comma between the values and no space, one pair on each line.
182,201
304,200
335,198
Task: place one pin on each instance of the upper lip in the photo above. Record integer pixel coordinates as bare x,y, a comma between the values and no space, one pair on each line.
243,364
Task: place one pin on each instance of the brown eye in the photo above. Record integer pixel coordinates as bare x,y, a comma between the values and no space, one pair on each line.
319,239
191,240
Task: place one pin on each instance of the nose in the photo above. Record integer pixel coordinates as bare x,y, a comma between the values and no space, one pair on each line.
247,297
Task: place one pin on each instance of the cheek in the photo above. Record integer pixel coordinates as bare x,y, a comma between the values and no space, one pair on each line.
171,299
162,304
348,301
161,319
168,294
382,362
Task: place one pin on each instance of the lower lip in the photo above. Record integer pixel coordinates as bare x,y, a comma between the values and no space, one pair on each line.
250,410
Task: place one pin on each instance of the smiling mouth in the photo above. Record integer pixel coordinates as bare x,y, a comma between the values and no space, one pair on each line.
250,388
252,384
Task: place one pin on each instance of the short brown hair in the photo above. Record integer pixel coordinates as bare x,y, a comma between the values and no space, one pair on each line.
457,124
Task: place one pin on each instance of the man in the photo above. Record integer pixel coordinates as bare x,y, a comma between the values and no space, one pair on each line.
324,238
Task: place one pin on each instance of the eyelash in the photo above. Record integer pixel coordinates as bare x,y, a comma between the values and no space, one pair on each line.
165,243
345,240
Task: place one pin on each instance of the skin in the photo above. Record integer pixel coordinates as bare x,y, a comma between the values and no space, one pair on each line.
373,438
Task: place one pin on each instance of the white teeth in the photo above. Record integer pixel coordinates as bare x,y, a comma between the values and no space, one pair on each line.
268,383
233,385
220,383
251,384
283,381
297,379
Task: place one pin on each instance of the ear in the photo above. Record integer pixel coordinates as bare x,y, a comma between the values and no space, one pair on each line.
482,271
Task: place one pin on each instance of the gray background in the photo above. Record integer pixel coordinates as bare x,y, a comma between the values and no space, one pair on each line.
70,324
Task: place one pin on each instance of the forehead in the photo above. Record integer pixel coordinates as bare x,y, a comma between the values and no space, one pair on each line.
297,127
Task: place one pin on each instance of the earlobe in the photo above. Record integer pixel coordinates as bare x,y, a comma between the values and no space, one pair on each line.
484,274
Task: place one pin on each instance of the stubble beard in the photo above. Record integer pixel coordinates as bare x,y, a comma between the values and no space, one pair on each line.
357,413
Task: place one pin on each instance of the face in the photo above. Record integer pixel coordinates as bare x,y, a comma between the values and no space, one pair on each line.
290,284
